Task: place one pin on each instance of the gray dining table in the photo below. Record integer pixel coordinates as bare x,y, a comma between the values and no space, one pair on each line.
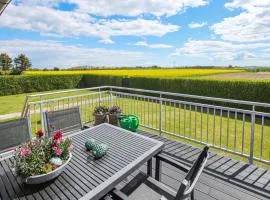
86,177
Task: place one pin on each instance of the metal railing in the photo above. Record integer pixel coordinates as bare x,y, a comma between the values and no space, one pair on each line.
231,129
51,95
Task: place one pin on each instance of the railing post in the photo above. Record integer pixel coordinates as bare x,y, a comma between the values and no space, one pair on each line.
42,117
29,118
160,114
99,98
24,107
111,103
253,118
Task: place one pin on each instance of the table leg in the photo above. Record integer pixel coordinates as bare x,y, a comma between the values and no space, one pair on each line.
158,169
149,167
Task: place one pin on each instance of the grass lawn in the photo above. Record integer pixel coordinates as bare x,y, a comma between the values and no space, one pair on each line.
15,103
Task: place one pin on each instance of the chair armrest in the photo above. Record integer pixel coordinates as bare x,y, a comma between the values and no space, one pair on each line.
172,161
7,153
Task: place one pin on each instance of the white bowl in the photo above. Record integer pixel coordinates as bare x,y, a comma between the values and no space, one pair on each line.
49,176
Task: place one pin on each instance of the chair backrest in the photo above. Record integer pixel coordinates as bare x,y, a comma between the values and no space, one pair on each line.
66,120
188,184
14,133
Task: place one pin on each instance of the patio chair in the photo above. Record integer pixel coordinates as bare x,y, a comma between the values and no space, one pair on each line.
148,188
67,121
14,133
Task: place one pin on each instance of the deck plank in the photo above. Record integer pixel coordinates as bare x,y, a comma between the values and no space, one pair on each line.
223,177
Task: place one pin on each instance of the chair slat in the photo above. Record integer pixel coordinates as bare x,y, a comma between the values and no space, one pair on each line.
67,120
14,133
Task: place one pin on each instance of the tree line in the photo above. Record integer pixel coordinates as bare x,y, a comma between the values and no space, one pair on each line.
14,66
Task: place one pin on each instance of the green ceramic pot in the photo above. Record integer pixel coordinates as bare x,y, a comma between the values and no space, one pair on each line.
129,122
134,122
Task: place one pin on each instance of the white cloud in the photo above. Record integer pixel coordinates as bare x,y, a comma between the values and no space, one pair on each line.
152,46
135,8
106,41
197,25
221,50
247,4
106,8
252,24
53,53
49,21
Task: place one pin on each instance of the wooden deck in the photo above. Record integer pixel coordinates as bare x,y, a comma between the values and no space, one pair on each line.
223,177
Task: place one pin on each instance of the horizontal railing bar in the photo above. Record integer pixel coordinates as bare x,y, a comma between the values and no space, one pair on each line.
197,104
63,98
67,91
195,96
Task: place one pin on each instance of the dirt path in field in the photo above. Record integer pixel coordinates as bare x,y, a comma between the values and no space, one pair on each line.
244,75
18,114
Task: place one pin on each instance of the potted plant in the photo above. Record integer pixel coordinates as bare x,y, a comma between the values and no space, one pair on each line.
100,114
42,159
114,114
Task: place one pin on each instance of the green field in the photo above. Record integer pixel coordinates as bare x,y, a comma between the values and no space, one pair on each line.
15,103
149,73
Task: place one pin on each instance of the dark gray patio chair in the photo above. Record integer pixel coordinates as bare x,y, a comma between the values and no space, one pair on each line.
67,121
148,188
14,133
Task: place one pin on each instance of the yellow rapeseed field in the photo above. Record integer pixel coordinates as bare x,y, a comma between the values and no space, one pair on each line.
154,73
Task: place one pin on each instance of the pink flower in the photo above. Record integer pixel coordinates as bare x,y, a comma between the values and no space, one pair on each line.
24,152
57,141
54,148
58,152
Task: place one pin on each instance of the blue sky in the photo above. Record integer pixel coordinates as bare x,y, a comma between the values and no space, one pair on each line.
132,33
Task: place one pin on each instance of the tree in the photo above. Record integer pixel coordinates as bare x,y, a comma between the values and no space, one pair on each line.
5,61
22,62
56,69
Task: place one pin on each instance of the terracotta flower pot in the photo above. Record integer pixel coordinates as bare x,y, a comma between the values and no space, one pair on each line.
113,119
100,118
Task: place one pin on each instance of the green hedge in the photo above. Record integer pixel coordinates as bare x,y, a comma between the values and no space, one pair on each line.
243,90
100,80
24,84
